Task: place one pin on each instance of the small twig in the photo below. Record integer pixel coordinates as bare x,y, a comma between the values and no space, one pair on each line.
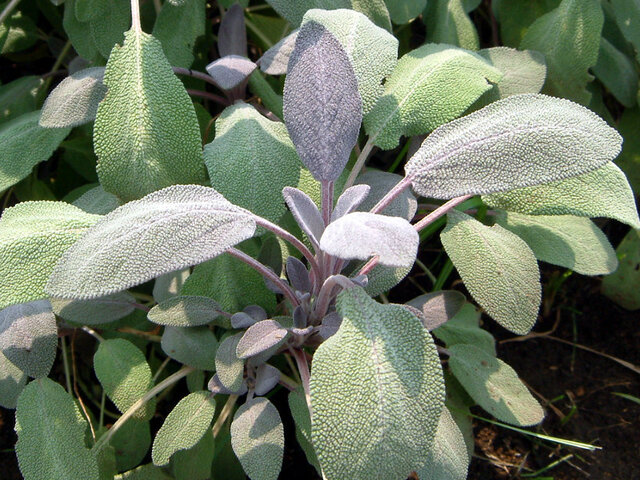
362,158
287,382
75,387
209,96
92,332
370,265
440,211
8,9
224,414
65,361
160,369
305,376
391,195
140,333
157,6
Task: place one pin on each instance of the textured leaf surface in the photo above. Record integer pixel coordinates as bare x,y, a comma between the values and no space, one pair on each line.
623,286
97,201
267,377
177,28
195,346
448,22
605,192
232,34
372,51
404,205
51,432
260,337
276,60
96,311
257,438
497,267
465,328
350,200
322,106
184,426
230,71
12,382
571,242
144,472
169,285
251,160
361,235
23,145
165,231
429,86
520,141
146,132
494,385
108,29
437,308
382,278
124,375
33,236
229,367
376,392
568,37
306,213
194,463
79,33
131,444
448,459
618,73
515,16
186,311
75,100
29,337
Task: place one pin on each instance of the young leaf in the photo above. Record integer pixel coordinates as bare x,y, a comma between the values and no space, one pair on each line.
506,283
230,71
97,201
382,278
146,132
322,106
51,433
33,237
108,29
178,28
350,200
623,286
187,311
124,375
165,231
267,377
448,459
404,205
232,34
403,11
448,22
75,100
571,242
361,235
257,438
251,160
494,385
618,73
96,311
29,337
576,26
260,337
520,141
437,308
429,86
229,367
195,346
377,382
372,51
305,212
12,382
275,60
302,420
298,275
604,192
465,328
169,285
187,423
23,145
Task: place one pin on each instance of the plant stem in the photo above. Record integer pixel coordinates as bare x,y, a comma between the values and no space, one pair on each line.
93,333
325,296
364,154
8,9
287,382
391,195
157,6
209,96
170,380
224,414
265,272
135,16
440,211
327,201
195,74
161,368
369,266
305,376
65,361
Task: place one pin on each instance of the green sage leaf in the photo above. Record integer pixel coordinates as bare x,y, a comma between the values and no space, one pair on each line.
194,463
230,367
623,286
302,419
96,311
187,311
79,33
627,16
19,96
629,160
97,201
464,327
108,28
194,346
144,472
618,73
12,382
131,444
448,22
178,28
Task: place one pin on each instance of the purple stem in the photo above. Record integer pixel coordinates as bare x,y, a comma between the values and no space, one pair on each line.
195,74
305,376
392,194
440,211
327,201
326,294
208,96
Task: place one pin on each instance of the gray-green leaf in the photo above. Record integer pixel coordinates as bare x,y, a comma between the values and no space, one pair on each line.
187,423
302,418
146,132
165,231
169,285
437,308
260,337
465,328
429,86
257,438
95,311
229,367
108,29
97,201
404,205
403,11
448,22
627,16
12,382
494,385
618,73
520,141
195,346
497,267
186,311
376,392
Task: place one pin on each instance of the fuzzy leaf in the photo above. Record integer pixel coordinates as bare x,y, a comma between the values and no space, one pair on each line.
186,311
108,29
178,28
257,438
604,192
322,106
12,382
187,423
95,311
494,385
75,100
372,51
376,392
437,308
571,242
382,278
275,60
131,444
33,236
232,34
404,205
29,337
124,375
623,286
229,367
162,232
23,145
146,132
143,472
196,462
350,200
302,420
465,328
362,235
195,346
298,275
506,282
230,71
251,160
97,201
306,213
169,285
448,22
575,26
51,433
618,73
429,86
267,377
259,337
520,141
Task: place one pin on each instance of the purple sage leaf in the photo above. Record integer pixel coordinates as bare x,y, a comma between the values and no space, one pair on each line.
232,34
260,337
306,213
437,308
350,199
267,377
231,71
298,275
